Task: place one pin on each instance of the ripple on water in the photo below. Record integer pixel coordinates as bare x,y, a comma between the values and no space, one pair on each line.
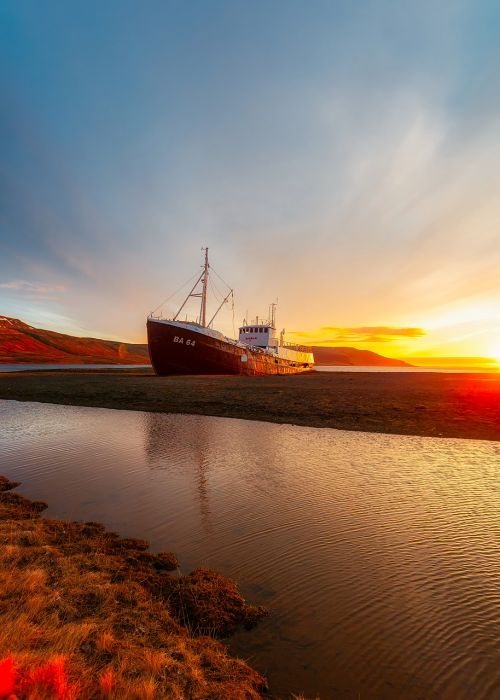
377,554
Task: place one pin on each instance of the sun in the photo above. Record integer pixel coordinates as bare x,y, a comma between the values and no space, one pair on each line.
494,351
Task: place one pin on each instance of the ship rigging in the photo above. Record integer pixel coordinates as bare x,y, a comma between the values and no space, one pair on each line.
200,290
194,347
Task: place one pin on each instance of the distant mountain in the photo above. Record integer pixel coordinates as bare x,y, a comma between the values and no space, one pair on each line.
354,357
20,343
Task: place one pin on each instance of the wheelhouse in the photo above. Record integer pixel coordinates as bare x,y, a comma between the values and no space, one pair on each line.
260,335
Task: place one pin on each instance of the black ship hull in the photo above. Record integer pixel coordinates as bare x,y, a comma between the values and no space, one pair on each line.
179,349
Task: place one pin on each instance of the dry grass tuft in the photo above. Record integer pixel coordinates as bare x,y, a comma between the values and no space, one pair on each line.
85,614
210,604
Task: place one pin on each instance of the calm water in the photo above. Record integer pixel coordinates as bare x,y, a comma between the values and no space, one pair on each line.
34,367
407,370
319,368
378,555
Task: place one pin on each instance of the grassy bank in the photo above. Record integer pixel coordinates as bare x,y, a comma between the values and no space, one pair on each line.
431,404
86,614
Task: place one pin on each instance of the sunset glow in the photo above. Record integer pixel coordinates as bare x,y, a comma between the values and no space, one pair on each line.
494,351
363,194
250,321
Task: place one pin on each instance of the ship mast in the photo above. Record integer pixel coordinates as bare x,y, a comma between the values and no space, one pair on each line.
204,281
203,278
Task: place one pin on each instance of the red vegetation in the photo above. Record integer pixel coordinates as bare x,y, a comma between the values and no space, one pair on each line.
85,614
20,343
49,679
107,682
8,677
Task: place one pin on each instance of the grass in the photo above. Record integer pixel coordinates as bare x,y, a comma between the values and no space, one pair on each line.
85,614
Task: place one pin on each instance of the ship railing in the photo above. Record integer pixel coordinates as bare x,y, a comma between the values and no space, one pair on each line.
297,347
161,317
260,350
256,348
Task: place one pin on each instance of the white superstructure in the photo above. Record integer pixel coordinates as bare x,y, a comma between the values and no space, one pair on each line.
263,335
195,347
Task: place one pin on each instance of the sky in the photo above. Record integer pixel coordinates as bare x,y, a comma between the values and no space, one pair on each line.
343,158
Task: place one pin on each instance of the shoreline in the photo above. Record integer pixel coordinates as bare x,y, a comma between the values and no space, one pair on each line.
424,404
100,615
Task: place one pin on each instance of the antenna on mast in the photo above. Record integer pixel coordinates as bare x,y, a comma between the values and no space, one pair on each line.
204,281
273,313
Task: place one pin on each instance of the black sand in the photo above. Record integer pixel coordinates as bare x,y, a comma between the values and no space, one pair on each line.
431,404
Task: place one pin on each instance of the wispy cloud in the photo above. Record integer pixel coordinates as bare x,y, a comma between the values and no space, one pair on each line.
33,291
388,331
33,287
362,334
355,190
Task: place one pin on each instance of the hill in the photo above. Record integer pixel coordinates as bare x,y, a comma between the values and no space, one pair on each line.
354,357
21,343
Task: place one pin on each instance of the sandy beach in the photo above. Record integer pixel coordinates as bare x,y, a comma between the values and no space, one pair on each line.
428,404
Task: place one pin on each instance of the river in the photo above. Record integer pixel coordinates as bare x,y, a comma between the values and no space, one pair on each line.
377,555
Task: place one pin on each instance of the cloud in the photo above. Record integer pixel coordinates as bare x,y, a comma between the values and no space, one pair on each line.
335,335
33,288
355,190
371,334
378,330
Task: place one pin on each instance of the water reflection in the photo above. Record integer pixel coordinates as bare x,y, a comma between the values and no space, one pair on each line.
377,554
160,441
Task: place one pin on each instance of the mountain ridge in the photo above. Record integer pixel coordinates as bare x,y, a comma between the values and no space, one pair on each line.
345,356
21,343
